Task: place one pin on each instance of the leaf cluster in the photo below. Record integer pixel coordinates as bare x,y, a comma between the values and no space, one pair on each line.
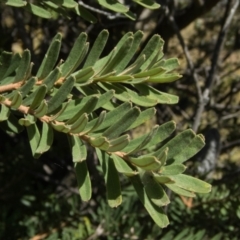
48,9
95,101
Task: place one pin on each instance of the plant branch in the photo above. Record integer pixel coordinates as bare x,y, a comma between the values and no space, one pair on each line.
228,16
10,87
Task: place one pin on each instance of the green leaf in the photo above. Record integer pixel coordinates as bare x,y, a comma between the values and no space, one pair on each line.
5,62
84,75
112,116
154,94
191,184
196,144
123,167
27,87
83,180
38,11
179,190
119,57
149,73
143,117
122,124
111,179
50,58
46,139
79,154
69,3
16,100
154,190
118,143
52,78
163,179
96,49
80,124
148,4
88,107
140,142
75,55
21,73
61,127
99,142
164,131
154,211
11,124
99,121
34,137
84,13
4,113
135,67
173,169
39,96
113,5
7,68
79,151
16,3
125,94
151,50
169,64
137,37
149,163
41,110
165,78
178,143
61,95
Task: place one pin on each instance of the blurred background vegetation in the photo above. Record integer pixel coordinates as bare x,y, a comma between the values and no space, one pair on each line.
39,199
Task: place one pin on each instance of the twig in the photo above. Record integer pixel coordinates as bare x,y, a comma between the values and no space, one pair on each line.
186,53
107,14
228,16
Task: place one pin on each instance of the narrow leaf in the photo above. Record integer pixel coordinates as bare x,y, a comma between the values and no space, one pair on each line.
61,95
41,110
75,55
34,137
123,167
173,169
79,151
194,147
16,100
180,191
150,4
191,184
39,96
4,113
23,67
80,124
154,190
111,179
154,211
149,163
83,180
122,124
46,139
50,58
97,48
38,11
118,144
113,5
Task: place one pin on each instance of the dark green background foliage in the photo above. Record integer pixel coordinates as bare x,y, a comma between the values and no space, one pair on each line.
39,198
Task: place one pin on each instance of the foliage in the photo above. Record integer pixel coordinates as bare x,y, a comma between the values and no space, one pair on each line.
51,205
49,9
47,102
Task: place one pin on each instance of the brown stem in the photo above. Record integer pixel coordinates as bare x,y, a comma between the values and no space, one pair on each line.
11,86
